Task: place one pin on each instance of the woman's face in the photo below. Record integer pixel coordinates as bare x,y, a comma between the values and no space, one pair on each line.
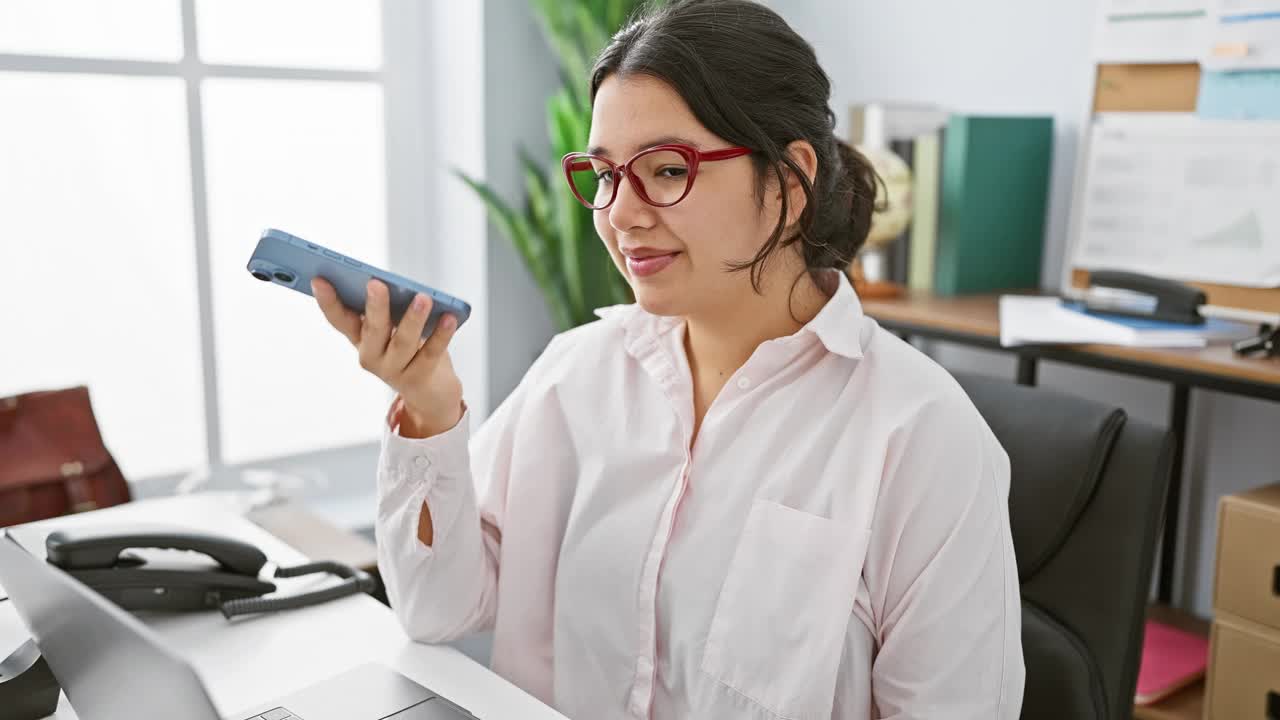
720,220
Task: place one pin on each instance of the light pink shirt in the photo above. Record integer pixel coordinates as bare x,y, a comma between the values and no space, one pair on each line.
835,545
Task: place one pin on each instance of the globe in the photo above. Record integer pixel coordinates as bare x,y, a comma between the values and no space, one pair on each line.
894,213
888,222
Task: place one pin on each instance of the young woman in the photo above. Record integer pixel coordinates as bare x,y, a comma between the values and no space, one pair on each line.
738,497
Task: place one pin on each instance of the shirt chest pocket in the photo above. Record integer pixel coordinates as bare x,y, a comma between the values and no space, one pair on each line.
779,625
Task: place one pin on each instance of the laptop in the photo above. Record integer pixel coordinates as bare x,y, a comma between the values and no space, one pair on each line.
113,667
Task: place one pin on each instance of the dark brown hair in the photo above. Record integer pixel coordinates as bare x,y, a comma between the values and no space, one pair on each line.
750,79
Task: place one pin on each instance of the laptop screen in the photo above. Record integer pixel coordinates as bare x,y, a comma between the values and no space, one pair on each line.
110,665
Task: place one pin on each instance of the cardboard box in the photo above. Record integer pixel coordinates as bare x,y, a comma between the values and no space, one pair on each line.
1248,562
1244,671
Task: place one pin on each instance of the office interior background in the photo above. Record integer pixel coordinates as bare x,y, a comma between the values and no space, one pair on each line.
145,144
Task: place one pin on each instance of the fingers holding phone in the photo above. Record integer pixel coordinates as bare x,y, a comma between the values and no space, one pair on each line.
423,372
375,331
400,328
407,345
407,337
342,318
420,370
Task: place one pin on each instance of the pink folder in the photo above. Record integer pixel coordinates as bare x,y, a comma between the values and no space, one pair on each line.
1171,660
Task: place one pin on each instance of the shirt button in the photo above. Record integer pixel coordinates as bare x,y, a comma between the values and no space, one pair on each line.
421,462
744,382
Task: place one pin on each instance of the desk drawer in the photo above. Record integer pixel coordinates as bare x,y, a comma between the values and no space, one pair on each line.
1248,563
1244,672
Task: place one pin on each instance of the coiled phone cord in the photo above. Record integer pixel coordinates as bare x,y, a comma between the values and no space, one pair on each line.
353,581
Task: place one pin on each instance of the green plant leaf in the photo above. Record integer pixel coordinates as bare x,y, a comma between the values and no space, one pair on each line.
591,35
615,13
505,218
598,272
558,28
531,247
554,234
538,187
616,290
565,126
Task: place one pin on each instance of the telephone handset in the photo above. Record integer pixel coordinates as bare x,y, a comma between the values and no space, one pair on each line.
215,572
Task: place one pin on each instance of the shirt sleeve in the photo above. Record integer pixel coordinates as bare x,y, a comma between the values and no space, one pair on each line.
448,590
942,576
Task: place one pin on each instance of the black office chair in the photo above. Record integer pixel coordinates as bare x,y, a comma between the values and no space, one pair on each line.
1086,500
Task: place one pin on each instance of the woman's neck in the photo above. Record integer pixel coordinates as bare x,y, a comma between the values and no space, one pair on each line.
719,342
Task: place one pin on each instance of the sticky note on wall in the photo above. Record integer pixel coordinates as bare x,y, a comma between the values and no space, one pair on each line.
1240,95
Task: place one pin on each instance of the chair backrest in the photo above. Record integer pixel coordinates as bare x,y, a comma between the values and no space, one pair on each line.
1086,500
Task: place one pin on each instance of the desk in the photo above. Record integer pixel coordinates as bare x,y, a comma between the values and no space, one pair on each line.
253,660
974,320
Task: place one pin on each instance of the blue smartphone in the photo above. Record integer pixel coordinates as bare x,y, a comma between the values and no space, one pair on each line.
288,260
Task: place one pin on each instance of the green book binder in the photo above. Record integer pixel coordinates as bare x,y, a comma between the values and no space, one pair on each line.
995,188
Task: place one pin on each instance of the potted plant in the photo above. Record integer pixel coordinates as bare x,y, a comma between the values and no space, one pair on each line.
553,232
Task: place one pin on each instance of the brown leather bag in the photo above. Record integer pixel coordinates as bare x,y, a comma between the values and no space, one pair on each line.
52,460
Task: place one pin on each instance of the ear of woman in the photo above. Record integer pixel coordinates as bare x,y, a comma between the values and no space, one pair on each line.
801,153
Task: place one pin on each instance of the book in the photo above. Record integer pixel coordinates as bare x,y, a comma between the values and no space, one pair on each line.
1171,660
902,121
995,190
927,161
900,251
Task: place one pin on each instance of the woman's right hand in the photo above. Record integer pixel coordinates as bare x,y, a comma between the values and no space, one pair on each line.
420,370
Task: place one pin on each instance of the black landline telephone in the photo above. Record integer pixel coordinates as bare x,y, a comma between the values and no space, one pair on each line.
213,573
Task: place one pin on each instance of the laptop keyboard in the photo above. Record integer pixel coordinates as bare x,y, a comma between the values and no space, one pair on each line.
276,714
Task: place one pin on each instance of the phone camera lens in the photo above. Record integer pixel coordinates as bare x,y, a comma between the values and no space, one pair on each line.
261,275
284,277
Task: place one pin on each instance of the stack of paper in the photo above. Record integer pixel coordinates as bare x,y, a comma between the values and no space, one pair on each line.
1047,320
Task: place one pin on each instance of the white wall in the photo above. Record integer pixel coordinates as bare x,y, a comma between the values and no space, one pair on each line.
520,74
985,56
436,93
453,127
1017,57
491,73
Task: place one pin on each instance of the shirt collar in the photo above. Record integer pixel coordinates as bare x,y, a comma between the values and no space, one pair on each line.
837,325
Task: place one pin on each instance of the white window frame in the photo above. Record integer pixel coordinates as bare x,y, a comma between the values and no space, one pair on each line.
431,59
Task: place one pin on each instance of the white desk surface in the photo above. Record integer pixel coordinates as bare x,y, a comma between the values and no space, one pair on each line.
254,659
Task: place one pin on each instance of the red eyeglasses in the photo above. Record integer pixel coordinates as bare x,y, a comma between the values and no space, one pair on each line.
661,175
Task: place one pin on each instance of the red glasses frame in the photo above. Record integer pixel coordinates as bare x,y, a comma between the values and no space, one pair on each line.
577,162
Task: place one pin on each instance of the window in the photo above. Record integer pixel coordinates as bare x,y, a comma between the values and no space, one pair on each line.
306,157
98,260
144,145
116,29
337,34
